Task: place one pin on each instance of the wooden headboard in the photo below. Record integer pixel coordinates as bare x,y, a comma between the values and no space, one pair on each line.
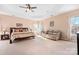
13,29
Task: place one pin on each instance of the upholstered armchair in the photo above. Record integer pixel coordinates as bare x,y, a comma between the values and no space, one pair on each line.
52,34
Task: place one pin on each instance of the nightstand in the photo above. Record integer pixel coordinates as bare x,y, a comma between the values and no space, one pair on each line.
4,36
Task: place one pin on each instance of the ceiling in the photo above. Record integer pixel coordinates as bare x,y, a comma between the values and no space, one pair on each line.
42,11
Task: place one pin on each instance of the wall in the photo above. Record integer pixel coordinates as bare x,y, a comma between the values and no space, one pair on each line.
10,21
61,22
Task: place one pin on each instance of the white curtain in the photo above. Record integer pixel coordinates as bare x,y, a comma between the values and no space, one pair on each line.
38,27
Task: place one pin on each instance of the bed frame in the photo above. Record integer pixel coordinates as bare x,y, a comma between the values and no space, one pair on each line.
19,30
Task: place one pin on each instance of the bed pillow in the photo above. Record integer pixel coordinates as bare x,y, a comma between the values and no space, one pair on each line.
21,30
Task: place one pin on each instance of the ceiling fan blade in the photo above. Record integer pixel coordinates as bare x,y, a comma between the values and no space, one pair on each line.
33,7
22,7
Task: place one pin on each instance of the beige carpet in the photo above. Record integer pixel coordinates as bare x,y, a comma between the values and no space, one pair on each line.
38,46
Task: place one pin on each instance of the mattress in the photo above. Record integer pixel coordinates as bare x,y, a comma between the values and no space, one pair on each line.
15,35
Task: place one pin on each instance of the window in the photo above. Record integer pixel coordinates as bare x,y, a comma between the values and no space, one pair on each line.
75,20
74,24
38,27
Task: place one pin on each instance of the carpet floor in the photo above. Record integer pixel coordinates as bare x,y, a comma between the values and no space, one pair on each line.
37,46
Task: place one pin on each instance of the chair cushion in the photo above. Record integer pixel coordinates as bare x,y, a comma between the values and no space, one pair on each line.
50,32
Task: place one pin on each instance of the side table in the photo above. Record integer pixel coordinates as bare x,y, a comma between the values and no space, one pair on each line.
5,36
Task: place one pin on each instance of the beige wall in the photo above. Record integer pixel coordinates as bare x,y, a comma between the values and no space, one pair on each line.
10,21
61,22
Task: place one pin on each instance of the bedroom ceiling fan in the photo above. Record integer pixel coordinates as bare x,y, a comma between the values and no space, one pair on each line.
28,7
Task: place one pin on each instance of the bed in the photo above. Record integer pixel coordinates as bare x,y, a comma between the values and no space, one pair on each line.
20,33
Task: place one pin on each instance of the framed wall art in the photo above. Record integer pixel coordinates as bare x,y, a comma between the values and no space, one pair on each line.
51,23
19,25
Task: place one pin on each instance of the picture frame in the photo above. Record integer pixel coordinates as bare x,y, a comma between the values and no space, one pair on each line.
19,25
51,23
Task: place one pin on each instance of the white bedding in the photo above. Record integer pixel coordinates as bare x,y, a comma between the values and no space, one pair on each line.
21,35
